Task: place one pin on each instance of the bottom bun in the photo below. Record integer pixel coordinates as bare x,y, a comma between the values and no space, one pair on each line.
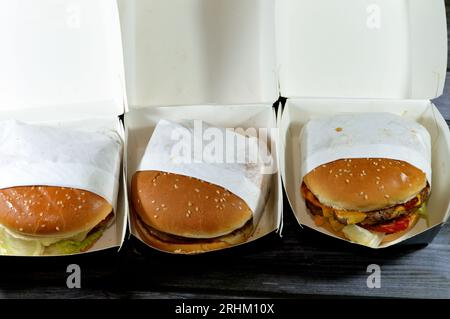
180,245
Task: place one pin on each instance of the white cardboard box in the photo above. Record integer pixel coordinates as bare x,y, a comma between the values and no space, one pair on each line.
61,64
207,60
325,56
363,56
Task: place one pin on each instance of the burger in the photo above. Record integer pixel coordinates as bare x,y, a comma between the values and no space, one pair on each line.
47,220
182,214
369,201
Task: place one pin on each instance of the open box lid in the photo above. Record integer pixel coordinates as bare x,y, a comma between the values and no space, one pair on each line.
61,55
361,48
197,52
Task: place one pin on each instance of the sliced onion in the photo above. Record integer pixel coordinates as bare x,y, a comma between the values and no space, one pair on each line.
363,236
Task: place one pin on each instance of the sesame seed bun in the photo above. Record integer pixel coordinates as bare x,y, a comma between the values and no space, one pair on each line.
365,184
187,207
53,212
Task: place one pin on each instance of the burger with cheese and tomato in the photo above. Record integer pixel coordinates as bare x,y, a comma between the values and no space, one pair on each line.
369,201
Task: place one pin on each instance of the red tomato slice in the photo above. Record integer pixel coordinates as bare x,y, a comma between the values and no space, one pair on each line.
394,226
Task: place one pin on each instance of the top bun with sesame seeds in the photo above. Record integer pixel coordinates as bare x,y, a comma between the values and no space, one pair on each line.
186,206
365,184
51,212
179,209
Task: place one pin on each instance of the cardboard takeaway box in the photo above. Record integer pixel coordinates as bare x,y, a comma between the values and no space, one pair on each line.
203,60
61,64
227,61
364,56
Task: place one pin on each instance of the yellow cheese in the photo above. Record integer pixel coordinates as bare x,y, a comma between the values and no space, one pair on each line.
335,224
350,217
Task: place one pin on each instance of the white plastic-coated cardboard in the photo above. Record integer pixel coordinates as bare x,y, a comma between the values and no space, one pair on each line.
362,56
216,56
361,48
61,55
62,64
193,52
141,123
298,112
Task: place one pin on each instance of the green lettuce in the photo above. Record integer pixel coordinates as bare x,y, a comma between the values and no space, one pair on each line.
68,247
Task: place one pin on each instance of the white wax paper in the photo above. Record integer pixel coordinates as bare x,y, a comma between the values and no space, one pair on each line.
245,179
55,156
361,135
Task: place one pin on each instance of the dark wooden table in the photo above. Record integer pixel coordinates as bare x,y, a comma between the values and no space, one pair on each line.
301,264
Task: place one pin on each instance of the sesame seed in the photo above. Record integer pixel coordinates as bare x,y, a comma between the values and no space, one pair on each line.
163,205
157,209
43,225
387,196
41,214
57,228
375,163
366,197
196,209
217,191
154,184
377,177
189,204
377,182
324,165
153,201
216,200
20,229
196,190
206,196
330,171
378,170
140,191
336,175
347,181
175,186
155,216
